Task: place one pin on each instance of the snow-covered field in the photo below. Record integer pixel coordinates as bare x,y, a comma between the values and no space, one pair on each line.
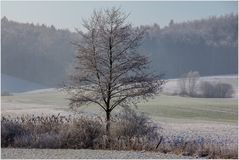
196,118
172,87
161,107
84,154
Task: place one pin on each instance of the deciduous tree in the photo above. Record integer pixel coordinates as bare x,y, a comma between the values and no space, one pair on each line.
109,70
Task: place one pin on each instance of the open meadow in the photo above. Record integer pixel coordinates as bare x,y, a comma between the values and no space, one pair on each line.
165,107
213,119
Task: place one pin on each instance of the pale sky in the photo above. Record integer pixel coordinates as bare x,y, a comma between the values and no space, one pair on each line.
69,14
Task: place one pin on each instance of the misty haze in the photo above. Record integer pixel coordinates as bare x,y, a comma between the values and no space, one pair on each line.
119,80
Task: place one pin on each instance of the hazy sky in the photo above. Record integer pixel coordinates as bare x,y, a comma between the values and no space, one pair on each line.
63,14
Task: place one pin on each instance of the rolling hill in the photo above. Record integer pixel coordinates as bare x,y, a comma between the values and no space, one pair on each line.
13,85
42,54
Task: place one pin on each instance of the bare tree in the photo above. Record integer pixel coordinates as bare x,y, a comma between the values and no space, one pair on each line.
109,71
216,90
187,83
192,77
182,84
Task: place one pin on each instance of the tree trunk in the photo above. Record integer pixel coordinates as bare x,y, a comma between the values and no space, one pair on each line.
108,128
108,123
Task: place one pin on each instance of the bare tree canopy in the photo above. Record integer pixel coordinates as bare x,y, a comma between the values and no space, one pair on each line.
109,71
188,83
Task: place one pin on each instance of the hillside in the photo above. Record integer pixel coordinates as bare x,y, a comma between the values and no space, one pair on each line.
35,53
43,54
163,107
13,84
213,119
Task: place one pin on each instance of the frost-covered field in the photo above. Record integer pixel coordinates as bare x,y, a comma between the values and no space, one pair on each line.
171,86
199,119
165,108
83,154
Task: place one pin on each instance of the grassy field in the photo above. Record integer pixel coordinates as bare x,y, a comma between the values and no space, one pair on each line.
162,107
209,109
212,119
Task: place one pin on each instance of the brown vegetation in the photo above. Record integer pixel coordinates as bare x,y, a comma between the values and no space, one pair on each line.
189,83
129,131
217,90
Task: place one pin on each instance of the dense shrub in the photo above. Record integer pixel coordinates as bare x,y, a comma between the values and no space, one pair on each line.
199,147
82,133
24,141
129,123
218,90
9,131
132,130
129,131
128,128
49,132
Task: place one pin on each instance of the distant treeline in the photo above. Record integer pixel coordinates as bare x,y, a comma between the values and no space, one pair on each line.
43,54
208,46
35,52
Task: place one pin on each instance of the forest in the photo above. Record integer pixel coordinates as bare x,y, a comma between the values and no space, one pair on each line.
44,54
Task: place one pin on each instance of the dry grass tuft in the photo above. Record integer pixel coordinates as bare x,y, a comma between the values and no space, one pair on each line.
129,131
